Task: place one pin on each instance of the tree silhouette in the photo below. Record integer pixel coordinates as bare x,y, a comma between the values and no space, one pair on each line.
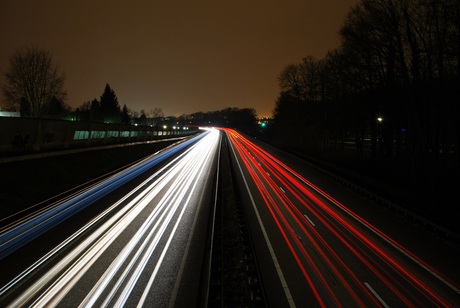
56,108
391,90
95,113
32,80
110,108
125,118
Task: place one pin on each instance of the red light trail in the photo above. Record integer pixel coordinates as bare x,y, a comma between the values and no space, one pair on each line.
341,237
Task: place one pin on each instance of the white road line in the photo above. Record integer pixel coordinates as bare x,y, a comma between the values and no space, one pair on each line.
309,220
282,190
287,292
377,296
379,233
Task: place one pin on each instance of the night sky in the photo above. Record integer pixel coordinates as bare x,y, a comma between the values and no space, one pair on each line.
181,56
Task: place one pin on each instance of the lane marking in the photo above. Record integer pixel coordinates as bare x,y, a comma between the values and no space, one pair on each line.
282,190
375,231
377,296
287,292
309,220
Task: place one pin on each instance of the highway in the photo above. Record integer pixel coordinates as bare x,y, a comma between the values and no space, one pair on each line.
141,238
315,252
133,252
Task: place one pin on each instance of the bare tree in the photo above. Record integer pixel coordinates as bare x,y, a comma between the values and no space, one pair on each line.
33,80
310,82
289,80
156,112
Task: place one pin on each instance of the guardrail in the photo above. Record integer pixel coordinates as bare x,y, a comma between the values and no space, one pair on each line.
387,203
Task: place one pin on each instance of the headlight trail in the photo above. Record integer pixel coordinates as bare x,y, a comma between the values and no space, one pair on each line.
18,234
289,198
165,196
173,198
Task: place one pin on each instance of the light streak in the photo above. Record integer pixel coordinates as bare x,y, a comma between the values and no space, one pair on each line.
175,183
278,269
269,175
25,230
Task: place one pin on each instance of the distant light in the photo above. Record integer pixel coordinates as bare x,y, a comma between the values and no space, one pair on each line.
165,127
380,119
263,124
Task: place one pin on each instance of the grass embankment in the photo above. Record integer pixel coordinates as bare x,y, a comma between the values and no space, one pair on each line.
25,183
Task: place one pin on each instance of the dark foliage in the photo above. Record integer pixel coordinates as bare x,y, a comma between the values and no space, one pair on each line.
241,118
34,84
387,96
107,109
110,108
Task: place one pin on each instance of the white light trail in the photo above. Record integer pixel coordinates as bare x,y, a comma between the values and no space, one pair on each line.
176,182
21,232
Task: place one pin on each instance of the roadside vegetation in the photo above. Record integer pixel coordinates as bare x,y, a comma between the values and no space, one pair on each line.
385,102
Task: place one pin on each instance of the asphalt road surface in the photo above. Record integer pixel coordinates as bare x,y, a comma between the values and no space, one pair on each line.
139,238
132,253
316,252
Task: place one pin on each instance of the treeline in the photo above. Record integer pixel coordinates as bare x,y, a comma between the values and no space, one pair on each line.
34,86
106,109
241,118
53,108
389,92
